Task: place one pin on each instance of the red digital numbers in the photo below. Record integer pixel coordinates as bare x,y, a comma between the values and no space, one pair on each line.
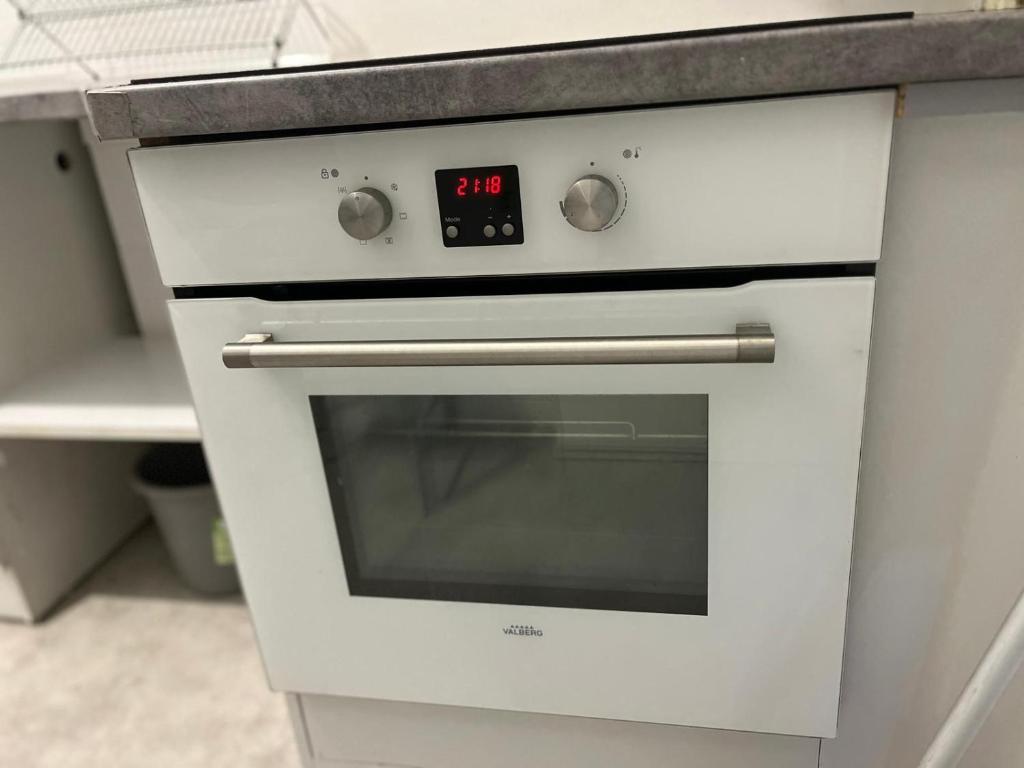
488,185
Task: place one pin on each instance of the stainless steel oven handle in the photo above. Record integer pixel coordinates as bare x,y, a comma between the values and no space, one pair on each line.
751,343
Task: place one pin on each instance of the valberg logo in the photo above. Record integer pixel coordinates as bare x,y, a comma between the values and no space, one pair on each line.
522,630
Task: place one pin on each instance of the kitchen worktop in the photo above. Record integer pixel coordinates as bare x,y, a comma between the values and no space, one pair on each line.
46,105
662,69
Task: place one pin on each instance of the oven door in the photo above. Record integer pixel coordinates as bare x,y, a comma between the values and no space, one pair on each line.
576,504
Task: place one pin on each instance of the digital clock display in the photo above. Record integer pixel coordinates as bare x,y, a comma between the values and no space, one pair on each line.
479,206
493,183
468,186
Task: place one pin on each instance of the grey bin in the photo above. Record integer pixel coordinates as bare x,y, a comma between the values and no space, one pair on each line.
175,482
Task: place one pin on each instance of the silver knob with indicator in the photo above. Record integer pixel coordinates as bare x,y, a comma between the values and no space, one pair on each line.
365,213
590,203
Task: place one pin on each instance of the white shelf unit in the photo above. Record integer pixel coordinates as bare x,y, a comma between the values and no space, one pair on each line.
129,388
84,379
88,368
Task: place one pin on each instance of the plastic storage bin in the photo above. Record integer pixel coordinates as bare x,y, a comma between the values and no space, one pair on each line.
174,480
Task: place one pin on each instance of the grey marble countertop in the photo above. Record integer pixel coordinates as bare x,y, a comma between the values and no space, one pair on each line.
629,72
55,105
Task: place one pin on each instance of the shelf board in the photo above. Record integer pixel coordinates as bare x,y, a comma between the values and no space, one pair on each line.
129,388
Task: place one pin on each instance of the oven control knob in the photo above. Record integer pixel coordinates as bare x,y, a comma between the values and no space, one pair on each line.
590,203
365,213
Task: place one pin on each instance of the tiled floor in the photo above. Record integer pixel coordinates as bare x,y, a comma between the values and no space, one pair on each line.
135,671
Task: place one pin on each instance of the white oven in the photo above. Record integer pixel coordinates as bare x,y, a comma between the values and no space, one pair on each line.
478,455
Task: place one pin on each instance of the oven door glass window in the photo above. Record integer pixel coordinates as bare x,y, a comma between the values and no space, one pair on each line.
576,501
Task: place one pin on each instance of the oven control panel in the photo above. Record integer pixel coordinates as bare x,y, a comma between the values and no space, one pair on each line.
479,206
782,181
482,207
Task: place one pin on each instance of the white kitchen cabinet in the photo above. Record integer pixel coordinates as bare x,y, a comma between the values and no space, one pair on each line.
80,386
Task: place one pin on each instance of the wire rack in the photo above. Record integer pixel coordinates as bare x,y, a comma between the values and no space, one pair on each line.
110,39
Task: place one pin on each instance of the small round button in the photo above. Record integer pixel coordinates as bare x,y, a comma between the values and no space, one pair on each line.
489,230
508,229
451,231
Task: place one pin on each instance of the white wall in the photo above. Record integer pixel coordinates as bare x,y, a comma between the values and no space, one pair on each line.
8,21
939,551
412,27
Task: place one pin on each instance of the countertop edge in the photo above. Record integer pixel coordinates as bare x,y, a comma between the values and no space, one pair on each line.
624,73
47,105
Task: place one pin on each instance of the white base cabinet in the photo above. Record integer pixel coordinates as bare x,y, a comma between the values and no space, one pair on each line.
337,732
66,502
64,506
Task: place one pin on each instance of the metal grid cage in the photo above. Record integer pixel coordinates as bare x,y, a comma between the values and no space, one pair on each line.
107,39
